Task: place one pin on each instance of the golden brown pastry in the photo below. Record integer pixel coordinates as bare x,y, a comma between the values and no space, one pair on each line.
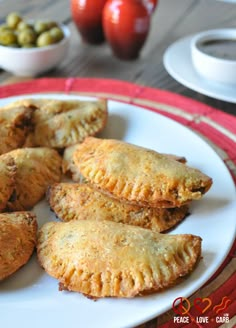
139,175
69,168
14,126
104,258
36,168
78,201
7,180
48,108
29,141
177,158
61,123
17,241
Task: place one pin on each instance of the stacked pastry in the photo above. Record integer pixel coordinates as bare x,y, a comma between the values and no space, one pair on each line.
124,183
138,175
26,172
122,197
24,176
17,230
17,241
104,248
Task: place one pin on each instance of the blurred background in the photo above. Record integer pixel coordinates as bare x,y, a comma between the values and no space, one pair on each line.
171,20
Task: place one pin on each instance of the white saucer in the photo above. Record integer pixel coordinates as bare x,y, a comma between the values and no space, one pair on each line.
178,63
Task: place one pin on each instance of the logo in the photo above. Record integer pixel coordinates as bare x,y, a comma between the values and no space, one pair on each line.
182,307
222,306
202,304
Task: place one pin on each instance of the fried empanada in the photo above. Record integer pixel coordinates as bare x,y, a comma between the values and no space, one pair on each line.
104,258
72,126
48,108
14,126
78,201
25,102
139,175
29,141
36,168
177,158
17,241
7,179
61,123
69,168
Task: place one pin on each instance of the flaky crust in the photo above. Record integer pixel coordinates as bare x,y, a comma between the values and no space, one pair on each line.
7,179
139,175
177,158
14,126
61,123
36,168
103,258
69,168
17,241
80,201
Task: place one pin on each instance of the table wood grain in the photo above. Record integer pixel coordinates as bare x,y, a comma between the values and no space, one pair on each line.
171,21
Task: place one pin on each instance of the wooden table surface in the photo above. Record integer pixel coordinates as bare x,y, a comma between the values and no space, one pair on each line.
171,21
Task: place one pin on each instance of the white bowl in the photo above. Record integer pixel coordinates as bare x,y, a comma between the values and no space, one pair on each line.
34,61
212,66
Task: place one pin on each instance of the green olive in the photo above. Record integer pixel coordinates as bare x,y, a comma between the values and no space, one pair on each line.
7,38
26,36
5,27
23,25
30,45
51,25
40,27
13,19
17,32
57,34
45,39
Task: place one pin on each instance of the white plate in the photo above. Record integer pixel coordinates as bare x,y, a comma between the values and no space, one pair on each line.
30,298
178,63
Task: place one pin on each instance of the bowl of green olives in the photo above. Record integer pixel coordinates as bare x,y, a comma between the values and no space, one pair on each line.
30,48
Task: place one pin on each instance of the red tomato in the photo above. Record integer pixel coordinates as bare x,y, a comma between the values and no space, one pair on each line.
87,16
126,25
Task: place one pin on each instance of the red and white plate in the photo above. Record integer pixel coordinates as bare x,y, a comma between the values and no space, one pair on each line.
30,298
